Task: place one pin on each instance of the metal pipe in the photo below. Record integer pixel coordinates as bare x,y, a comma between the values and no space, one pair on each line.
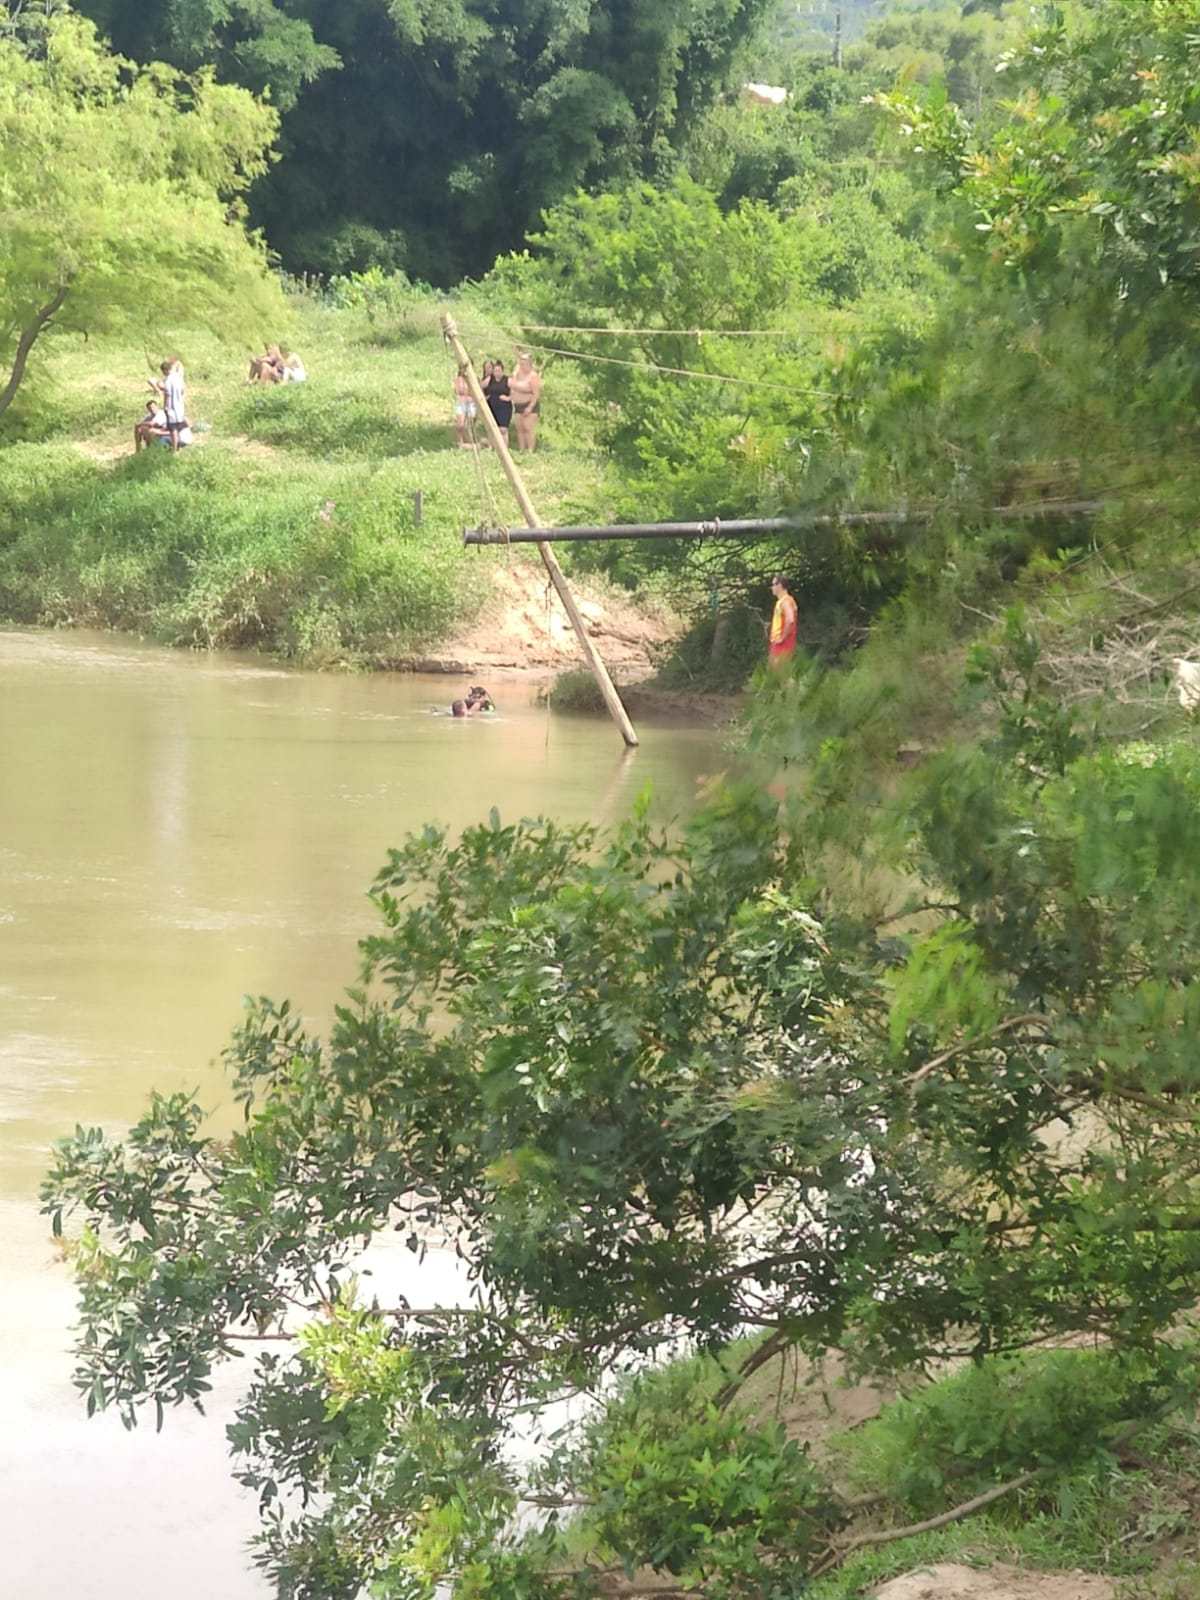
751,526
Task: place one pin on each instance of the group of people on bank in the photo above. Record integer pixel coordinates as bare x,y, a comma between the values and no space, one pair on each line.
165,418
277,364
514,400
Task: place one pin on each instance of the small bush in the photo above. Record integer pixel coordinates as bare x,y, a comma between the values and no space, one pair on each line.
576,690
718,653
995,1421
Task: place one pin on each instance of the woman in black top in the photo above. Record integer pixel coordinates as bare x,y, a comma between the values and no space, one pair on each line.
495,391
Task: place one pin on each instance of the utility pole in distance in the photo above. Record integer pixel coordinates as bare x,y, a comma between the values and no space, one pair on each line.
590,654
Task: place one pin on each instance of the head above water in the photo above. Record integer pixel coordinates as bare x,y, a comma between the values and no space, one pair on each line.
459,708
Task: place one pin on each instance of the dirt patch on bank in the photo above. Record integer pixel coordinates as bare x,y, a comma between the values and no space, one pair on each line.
950,1581
523,624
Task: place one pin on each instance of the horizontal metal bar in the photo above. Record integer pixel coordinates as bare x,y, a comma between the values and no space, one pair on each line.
748,527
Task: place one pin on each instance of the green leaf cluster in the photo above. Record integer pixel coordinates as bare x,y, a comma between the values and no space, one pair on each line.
469,116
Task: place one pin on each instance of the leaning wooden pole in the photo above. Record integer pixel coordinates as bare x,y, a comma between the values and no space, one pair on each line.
590,654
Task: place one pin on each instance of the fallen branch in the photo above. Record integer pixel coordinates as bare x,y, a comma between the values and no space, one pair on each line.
837,1553
770,1347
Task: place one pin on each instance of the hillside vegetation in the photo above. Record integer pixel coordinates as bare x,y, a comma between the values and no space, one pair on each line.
291,525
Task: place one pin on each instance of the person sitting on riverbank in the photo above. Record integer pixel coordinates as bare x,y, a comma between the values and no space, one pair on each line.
267,368
151,426
294,370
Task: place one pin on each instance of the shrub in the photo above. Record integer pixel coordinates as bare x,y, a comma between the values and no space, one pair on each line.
995,1420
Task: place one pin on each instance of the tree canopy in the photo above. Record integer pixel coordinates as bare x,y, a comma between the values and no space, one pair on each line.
120,197
428,135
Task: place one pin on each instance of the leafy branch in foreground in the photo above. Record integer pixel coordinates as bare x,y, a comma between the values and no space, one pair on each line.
657,1095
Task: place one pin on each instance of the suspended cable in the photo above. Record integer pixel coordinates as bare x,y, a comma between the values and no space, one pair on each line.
641,333
682,372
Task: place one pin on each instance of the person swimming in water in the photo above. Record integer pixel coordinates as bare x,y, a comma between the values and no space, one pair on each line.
478,699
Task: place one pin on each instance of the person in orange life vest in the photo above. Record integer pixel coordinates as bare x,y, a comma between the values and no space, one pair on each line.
782,637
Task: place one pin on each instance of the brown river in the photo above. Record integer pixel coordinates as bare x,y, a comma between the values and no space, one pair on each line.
178,831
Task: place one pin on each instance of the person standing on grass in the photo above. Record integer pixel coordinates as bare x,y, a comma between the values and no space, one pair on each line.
173,401
496,393
525,387
464,411
781,641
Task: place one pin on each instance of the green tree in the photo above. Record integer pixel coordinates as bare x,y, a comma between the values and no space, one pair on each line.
1091,180
657,1094
466,119
263,46
718,382
120,197
957,46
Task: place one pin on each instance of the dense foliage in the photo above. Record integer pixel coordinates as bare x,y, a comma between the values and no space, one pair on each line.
658,1093
902,1068
428,135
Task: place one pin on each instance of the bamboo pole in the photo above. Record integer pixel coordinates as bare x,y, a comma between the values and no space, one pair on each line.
591,655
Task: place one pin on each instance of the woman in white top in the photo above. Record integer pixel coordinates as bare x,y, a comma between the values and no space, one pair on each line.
464,411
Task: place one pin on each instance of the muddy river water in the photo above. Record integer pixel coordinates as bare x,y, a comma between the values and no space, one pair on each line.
176,832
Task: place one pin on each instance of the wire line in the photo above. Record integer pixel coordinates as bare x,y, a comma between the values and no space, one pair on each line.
691,333
681,372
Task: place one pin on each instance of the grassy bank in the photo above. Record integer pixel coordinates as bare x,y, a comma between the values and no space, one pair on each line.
293,523
1029,1461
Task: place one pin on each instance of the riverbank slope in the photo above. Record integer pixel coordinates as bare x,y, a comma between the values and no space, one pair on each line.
320,522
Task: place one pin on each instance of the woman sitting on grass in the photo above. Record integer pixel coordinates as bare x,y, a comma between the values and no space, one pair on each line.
267,368
277,365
